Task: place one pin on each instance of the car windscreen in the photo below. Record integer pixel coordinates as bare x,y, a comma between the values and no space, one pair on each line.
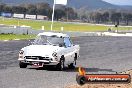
48,40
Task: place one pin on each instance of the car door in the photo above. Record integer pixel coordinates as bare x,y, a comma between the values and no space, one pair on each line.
69,50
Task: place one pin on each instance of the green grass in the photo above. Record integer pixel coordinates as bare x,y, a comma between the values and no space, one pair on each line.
57,25
13,37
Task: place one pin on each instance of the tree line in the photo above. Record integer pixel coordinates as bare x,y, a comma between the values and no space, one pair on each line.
109,16
45,9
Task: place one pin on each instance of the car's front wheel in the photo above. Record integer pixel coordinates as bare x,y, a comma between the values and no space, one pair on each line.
72,66
61,65
22,65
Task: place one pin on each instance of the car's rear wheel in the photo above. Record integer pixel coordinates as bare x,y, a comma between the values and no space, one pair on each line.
22,65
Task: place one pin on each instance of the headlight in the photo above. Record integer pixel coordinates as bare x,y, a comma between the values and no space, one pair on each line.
21,52
54,54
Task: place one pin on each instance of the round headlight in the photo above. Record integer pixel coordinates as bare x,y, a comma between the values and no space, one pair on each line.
54,54
21,52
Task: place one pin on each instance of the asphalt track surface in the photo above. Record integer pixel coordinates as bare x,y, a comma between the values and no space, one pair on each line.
97,55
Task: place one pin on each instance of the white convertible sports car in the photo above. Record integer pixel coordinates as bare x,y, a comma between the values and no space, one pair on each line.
50,49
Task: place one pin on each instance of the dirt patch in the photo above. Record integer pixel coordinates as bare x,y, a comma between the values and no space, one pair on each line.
129,85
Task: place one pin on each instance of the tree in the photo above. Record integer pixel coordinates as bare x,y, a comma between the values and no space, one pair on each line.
19,9
98,17
70,13
43,9
2,7
116,17
31,9
127,17
59,14
7,9
105,17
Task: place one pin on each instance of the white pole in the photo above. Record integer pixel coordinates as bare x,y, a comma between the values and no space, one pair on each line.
42,27
53,15
62,28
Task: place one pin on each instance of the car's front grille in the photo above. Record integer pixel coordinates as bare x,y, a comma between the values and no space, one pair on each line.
37,58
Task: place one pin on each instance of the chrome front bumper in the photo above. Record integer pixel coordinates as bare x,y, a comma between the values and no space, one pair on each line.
30,61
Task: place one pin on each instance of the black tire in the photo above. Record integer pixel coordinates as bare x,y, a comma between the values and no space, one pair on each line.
71,66
61,65
81,80
22,65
